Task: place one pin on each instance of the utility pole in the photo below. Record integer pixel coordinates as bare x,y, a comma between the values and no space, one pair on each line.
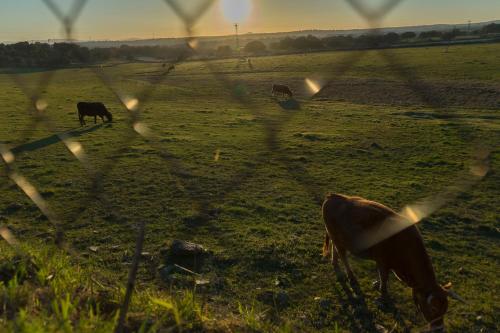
237,38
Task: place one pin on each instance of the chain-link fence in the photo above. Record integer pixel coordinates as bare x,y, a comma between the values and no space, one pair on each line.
138,128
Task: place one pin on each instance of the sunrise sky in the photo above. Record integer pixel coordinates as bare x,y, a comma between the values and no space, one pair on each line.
127,19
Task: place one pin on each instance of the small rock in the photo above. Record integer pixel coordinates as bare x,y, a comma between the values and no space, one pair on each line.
93,248
462,270
375,145
183,248
479,318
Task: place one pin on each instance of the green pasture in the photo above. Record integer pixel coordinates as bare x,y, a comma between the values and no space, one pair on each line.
232,168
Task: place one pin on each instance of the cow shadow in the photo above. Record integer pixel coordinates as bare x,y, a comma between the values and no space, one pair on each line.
354,304
356,308
289,104
56,138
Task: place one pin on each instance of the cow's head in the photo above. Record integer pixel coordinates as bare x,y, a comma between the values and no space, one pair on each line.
109,116
434,304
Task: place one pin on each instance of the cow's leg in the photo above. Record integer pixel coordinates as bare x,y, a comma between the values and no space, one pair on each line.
95,119
383,274
343,256
335,257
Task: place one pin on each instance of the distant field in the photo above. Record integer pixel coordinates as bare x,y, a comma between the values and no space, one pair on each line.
250,177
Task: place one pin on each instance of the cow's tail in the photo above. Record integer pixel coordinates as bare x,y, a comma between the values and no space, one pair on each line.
326,245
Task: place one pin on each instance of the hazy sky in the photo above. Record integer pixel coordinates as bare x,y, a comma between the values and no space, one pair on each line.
123,19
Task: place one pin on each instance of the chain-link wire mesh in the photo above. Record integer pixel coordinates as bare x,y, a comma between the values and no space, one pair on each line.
138,129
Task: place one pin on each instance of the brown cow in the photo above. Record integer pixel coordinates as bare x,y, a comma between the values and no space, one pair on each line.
282,89
349,219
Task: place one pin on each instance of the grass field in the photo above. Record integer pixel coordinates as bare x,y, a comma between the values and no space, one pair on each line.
244,180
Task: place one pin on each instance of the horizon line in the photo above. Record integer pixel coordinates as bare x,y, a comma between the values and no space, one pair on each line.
134,39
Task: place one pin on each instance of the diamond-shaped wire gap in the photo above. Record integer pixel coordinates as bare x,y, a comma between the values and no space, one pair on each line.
373,15
190,16
128,136
134,107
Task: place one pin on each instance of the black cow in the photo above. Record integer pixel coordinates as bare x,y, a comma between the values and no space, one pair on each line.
93,110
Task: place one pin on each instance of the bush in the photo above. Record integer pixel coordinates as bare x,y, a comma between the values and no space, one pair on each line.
255,47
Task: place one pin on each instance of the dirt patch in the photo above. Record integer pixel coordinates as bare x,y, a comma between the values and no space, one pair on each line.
436,94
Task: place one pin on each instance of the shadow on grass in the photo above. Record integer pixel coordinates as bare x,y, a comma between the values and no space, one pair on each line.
355,305
56,138
289,104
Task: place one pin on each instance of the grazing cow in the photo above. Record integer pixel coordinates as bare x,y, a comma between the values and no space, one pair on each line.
93,110
349,219
282,89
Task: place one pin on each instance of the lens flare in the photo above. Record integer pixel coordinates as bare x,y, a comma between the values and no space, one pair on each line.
132,104
41,105
193,43
6,234
314,86
236,11
30,191
142,129
7,155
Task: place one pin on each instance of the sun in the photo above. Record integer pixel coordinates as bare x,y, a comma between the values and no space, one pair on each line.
236,10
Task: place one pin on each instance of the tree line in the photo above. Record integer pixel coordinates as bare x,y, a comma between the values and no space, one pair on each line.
44,55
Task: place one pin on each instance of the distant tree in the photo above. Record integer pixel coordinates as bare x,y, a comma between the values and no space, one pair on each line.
274,46
408,35
369,41
391,38
430,34
491,28
339,42
255,47
224,51
301,43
